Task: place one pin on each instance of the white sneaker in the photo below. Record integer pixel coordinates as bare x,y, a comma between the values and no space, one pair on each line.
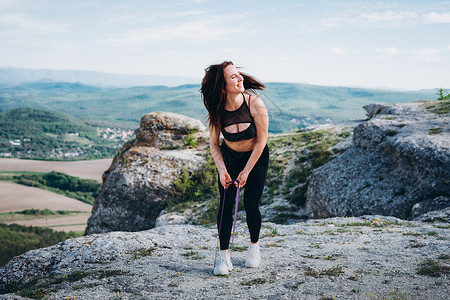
229,264
253,259
221,266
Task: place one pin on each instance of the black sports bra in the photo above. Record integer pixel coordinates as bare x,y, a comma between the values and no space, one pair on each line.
240,115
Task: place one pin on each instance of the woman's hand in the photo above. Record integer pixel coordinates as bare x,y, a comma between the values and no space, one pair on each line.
225,179
242,178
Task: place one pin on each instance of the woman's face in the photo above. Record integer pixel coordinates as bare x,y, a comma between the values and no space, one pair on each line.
233,79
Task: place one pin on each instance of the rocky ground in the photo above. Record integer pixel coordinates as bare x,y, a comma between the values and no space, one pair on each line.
369,257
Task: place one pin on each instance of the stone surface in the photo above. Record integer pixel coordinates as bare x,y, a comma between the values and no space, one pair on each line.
400,158
441,215
430,205
166,129
141,178
369,257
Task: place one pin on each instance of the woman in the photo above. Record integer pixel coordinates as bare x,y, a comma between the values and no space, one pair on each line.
240,115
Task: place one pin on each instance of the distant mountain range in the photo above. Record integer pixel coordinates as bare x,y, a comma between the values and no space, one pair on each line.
15,76
102,97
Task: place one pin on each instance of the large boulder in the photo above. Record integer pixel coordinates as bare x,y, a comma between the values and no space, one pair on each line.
399,165
141,178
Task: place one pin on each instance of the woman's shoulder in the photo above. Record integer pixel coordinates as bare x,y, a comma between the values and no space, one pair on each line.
251,98
254,101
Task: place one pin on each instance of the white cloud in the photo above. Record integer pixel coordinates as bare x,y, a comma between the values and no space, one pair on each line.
437,17
186,13
142,19
8,4
388,51
326,23
387,17
275,58
423,55
339,51
427,54
198,1
233,50
344,51
192,31
384,18
22,23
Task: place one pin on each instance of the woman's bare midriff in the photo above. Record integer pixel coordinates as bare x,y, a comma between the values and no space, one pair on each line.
242,146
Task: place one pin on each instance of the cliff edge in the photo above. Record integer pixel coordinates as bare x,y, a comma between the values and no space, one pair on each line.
370,257
399,165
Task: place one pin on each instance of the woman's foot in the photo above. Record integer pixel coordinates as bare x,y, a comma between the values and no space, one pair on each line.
223,263
229,264
253,259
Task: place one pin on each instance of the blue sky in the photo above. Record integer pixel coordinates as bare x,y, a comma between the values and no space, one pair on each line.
395,44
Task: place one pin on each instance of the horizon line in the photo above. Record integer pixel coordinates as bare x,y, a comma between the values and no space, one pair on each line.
199,80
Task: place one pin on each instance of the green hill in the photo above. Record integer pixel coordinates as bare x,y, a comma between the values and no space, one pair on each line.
291,106
39,133
288,101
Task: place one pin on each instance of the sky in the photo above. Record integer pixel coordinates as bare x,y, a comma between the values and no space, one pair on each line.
379,44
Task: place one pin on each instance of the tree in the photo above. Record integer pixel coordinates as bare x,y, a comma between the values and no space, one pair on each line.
442,94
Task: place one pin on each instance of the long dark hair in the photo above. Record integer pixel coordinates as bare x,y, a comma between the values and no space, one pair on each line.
214,91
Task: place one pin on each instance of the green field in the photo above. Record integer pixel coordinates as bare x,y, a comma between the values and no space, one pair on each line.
84,190
35,214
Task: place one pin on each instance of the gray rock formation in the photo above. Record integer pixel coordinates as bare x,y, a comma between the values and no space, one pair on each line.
399,165
441,215
430,205
141,177
370,257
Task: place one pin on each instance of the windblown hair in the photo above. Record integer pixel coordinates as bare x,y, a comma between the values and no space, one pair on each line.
214,92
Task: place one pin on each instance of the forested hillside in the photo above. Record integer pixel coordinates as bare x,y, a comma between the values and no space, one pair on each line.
16,239
38,133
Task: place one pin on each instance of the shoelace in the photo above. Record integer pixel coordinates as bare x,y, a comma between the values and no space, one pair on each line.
221,216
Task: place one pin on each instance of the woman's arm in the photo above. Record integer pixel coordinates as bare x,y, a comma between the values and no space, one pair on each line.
261,118
216,154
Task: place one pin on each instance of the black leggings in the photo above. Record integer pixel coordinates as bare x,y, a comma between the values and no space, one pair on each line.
235,163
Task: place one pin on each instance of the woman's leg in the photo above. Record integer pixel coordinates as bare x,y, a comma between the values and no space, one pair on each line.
231,159
253,192
224,225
